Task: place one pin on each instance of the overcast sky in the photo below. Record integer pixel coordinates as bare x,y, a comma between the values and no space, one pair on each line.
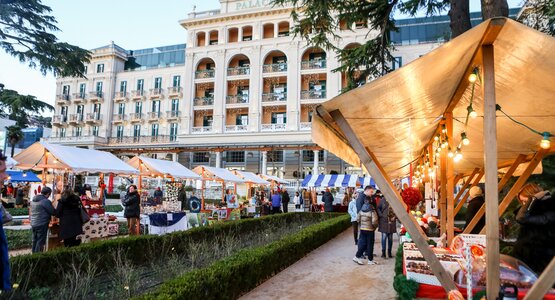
131,24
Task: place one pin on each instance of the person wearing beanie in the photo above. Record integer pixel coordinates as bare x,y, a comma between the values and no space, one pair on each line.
474,205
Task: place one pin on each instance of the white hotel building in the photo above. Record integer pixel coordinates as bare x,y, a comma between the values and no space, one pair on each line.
239,95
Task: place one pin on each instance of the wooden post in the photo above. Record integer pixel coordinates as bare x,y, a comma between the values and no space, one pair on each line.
450,182
386,186
543,284
45,169
490,166
443,192
475,182
520,158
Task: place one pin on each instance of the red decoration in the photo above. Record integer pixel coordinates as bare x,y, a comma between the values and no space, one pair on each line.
411,196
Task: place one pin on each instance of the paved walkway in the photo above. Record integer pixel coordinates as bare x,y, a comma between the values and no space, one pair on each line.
329,273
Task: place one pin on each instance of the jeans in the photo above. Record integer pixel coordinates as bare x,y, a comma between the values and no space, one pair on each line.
355,231
389,238
366,242
40,233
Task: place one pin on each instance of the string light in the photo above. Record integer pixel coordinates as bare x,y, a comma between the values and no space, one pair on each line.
472,78
471,112
445,143
465,139
443,128
450,153
545,142
458,155
436,138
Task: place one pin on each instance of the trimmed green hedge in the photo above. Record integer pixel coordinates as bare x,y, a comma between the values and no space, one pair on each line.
113,208
140,250
18,211
406,288
18,239
235,275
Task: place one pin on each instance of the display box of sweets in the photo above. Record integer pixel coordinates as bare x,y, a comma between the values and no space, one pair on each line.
417,268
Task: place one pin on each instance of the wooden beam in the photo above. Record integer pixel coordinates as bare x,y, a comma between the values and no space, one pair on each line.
475,182
458,178
450,181
520,158
466,184
394,199
443,192
543,284
490,168
513,192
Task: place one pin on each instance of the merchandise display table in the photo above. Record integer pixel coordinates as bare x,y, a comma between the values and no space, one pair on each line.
165,222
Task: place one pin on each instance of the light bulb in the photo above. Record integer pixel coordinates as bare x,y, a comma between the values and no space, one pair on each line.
473,114
545,142
445,144
465,139
430,170
458,157
472,77
443,129
450,154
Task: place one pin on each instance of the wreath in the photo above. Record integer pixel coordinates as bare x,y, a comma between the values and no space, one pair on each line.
411,196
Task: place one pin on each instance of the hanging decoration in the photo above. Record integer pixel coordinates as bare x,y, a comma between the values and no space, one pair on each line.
411,196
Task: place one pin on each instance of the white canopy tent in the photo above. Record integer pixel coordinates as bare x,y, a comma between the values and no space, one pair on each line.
42,155
10,163
273,179
250,179
216,174
157,167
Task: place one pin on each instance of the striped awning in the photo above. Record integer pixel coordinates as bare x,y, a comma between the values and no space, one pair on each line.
365,181
330,180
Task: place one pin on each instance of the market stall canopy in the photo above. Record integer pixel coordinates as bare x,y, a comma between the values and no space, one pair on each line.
158,167
217,174
250,177
44,155
330,180
395,116
272,178
366,181
22,176
10,163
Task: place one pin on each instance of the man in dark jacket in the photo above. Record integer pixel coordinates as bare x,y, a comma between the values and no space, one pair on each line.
328,201
367,194
132,212
285,200
474,205
41,211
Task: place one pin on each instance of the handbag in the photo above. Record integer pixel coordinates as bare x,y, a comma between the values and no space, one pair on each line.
6,216
84,215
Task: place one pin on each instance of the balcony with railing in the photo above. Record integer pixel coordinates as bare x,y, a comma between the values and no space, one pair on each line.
154,116
313,94
238,71
156,93
78,140
274,68
143,140
237,99
236,128
137,95
97,96
313,64
79,98
136,118
59,120
203,101
175,91
173,115
203,74
201,130
274,97
273,127
306,126
93,118
62,99
118,118
76,119
121,97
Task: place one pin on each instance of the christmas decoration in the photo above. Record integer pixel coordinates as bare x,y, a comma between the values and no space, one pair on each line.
411,196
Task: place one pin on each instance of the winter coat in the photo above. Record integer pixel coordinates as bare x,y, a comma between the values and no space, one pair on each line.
352,210
132,204
41,211
387,219
19,196
328,202
69,212
367,219
158,194
474,206
297,200
182,197
276,200
285,197
361,198
535,244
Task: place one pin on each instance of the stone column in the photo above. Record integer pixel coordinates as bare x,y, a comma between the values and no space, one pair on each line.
264,162
315,168
218,159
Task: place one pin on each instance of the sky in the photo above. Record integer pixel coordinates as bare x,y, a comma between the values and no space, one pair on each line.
131,24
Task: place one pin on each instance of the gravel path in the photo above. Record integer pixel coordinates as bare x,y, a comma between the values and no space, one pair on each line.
330,273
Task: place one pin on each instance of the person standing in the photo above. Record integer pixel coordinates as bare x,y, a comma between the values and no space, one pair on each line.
367,219
387,226
132,212
182,197
328,201
535,244
353,212
41,211
474,205
158,194
19,197
285,200
365,195
345,201
69,212
5,284
297,200
276,202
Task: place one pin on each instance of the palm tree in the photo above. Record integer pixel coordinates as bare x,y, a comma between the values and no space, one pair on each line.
14,135
20,107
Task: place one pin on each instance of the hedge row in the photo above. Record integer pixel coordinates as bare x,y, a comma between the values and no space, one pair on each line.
235,275
140,250
18,211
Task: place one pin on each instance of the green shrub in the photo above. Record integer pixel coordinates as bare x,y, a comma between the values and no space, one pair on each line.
113,208
18,211
140,250
405,288
243,271
18,239
112,195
